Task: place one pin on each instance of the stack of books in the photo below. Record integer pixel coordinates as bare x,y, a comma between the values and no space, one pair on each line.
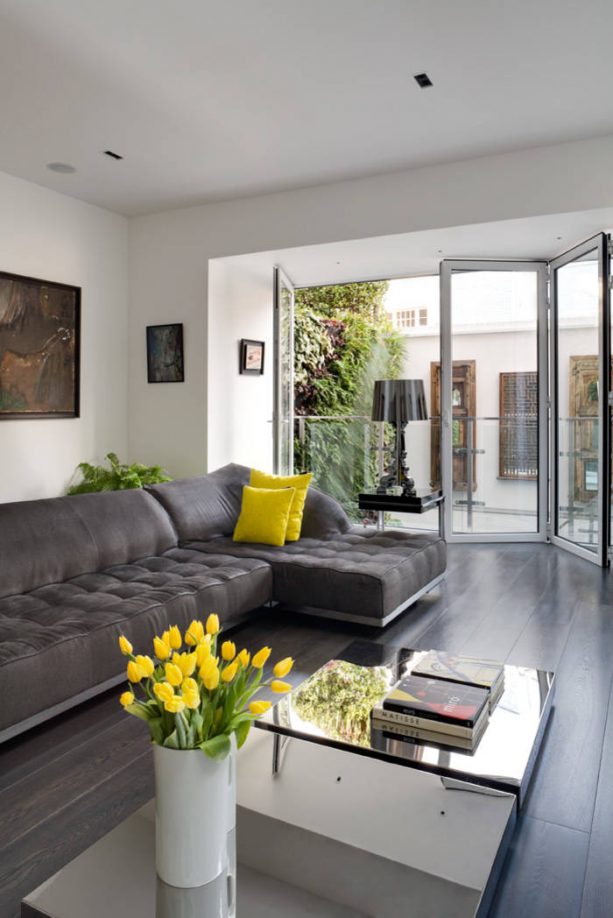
446,699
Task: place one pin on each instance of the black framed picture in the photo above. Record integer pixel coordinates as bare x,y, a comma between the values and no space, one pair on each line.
40,330
251,357
165,353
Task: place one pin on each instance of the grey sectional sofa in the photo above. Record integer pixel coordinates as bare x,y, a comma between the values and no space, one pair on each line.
75,572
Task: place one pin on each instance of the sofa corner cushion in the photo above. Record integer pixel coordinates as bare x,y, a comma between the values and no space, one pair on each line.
204,507
323,516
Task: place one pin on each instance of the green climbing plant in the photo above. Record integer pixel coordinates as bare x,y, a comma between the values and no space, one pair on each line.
343,342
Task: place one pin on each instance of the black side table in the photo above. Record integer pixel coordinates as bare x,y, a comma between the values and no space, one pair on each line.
388,501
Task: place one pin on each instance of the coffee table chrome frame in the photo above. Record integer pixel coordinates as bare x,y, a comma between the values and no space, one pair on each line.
279,746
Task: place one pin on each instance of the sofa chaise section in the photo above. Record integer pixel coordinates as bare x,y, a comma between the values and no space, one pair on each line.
362,575
334,569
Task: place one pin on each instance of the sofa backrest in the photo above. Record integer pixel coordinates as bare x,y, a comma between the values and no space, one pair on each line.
208,507
125,525
49,541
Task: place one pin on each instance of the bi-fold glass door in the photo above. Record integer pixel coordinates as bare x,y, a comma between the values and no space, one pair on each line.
493,400
283,376
526,451
580,386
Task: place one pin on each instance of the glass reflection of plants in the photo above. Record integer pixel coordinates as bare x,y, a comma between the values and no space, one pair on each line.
339,698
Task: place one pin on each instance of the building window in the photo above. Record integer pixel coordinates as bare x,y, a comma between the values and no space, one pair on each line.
409,318
518,426
405,318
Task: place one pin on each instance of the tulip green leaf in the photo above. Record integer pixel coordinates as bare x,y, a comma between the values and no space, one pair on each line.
157,731
172,741
218,747
139,710
242,732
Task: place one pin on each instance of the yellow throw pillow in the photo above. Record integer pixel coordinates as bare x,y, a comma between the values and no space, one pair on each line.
264,515
300,483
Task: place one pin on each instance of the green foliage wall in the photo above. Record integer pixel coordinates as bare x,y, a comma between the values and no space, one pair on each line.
343,343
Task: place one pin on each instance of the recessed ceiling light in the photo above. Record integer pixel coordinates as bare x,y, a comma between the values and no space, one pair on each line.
422,80
112,154
62,168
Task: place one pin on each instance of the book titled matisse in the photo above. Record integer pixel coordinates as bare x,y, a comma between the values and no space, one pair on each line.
438,701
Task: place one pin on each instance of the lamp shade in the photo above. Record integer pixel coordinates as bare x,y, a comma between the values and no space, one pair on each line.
399,401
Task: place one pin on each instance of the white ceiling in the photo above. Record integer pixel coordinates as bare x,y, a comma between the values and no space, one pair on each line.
408,254
214,99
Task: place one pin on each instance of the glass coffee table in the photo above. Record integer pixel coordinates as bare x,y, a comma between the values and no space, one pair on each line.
332,707
335,819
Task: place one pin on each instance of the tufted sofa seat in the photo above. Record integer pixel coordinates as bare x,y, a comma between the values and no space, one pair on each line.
361,575
75,572
62,637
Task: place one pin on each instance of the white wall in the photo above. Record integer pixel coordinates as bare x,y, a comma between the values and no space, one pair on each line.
169,254
240,406
54,237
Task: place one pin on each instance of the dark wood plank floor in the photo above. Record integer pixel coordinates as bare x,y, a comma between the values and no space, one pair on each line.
70,781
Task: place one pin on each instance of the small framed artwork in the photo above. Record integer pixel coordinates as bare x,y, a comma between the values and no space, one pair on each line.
39,348
251,357
165,353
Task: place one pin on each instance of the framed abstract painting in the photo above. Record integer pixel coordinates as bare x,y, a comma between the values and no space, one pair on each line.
39,348
165,353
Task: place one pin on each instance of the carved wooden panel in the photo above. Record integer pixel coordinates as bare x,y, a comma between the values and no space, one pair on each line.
464,399
518,437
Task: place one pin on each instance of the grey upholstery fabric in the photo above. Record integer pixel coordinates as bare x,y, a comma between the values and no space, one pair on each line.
75,572
205,507
209,506
61,639
124,525
323,517
42,541
362,572
48,541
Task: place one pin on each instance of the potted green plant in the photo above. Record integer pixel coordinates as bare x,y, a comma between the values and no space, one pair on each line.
118,477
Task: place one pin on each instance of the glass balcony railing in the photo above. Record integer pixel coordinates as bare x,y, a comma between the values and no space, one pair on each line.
494,461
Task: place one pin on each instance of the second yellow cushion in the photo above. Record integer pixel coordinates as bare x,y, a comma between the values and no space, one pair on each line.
264,515
300,484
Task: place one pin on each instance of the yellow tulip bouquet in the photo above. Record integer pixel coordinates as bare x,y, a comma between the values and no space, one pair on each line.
197,698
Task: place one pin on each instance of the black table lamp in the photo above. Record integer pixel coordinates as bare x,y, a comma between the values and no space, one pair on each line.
399,401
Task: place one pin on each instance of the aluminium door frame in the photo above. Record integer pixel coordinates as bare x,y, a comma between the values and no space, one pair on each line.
447,268
600,244
280,279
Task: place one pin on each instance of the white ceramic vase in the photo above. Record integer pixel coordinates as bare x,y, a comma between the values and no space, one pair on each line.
195,809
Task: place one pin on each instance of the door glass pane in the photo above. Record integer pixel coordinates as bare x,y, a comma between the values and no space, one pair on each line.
494,401
413,305
578,435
